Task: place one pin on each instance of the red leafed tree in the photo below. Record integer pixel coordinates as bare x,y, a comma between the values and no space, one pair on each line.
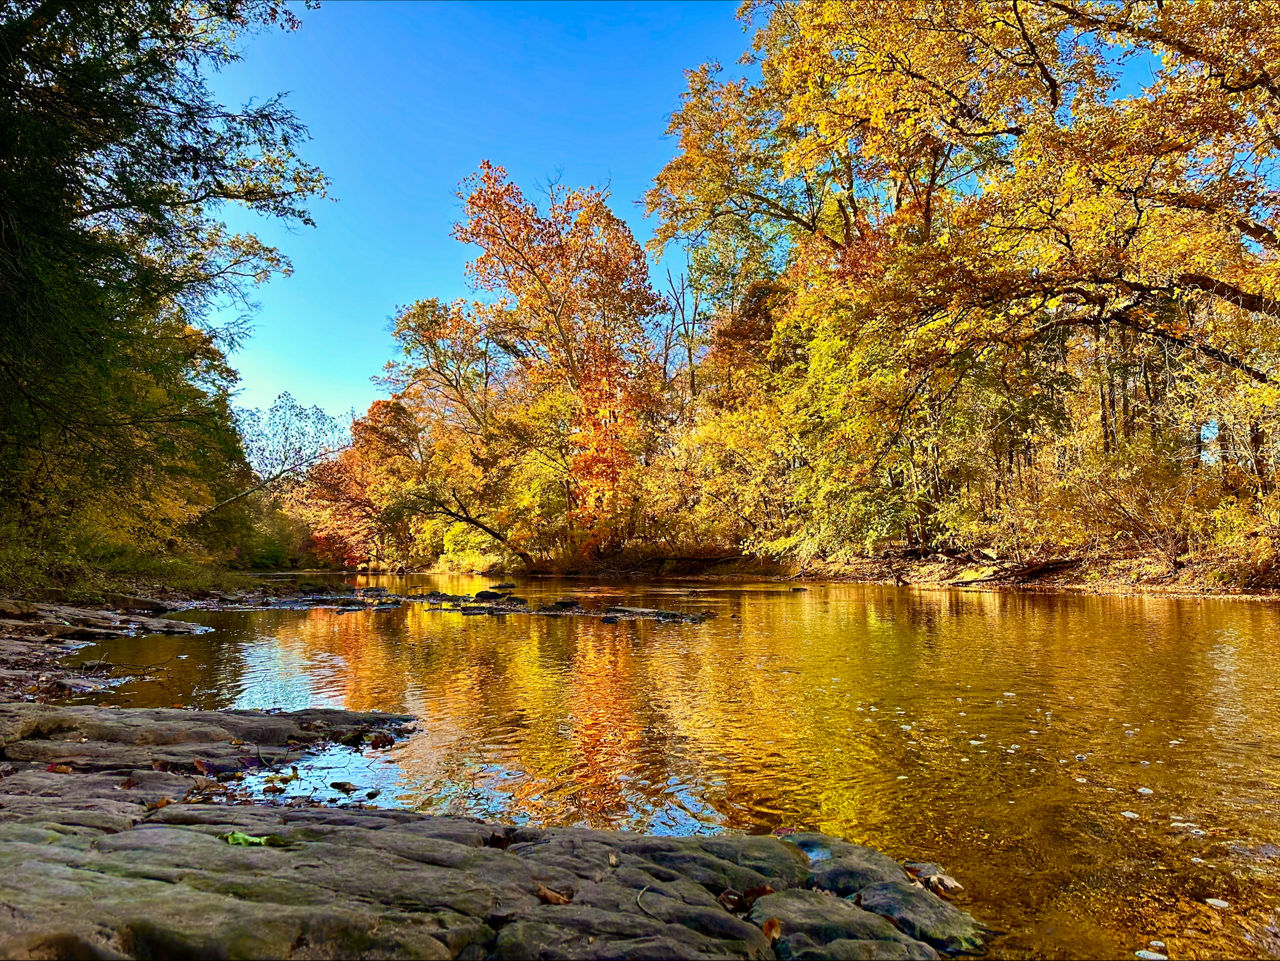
571,301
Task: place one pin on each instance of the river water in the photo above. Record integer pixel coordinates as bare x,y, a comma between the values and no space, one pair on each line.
1092,769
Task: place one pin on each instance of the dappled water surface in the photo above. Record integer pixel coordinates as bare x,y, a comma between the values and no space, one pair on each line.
1011,738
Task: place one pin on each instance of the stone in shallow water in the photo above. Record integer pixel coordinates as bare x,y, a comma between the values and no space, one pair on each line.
819,925
922,915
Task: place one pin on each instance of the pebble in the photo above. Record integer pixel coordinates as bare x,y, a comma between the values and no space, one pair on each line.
1131,815
1217,903
1158,945
1145,790
1081,757
1150,955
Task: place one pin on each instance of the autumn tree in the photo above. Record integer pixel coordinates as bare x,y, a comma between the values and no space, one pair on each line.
530,407
1024,274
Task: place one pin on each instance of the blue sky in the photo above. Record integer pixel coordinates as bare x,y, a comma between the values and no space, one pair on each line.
404,100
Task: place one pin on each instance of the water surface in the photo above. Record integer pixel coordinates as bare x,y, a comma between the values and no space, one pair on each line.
1011,738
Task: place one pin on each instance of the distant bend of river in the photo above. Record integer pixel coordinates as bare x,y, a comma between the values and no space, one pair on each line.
1092,769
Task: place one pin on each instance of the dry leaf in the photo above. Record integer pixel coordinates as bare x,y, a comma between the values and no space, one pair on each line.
613,860
750,896
552,897
128,784
772,929
164,802
59,769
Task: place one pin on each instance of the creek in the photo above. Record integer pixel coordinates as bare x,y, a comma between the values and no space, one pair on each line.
1092,769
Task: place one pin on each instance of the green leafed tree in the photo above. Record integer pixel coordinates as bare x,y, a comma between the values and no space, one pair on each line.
117,164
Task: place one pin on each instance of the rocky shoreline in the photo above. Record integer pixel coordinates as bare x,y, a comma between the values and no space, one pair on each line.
123,835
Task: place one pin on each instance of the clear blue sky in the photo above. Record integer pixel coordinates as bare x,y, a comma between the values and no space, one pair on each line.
404,100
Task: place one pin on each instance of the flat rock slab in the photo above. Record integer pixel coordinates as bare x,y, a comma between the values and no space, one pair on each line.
35,636
108,851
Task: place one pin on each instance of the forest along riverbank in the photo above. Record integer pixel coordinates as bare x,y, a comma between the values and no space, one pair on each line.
122,835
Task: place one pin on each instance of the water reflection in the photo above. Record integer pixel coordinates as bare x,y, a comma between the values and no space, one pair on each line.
1005,736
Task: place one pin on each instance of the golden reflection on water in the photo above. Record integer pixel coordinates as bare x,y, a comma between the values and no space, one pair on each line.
1002,735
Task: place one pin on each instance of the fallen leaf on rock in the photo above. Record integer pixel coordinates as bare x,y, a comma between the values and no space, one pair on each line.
241,839
164,802
772,929
273,789
128,784
59,769
613,860
159,765
552,897
751,895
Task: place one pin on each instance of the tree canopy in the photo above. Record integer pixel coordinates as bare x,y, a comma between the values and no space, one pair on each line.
115,167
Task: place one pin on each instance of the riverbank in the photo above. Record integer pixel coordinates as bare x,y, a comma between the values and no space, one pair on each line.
128,832
1204,577
1120,575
